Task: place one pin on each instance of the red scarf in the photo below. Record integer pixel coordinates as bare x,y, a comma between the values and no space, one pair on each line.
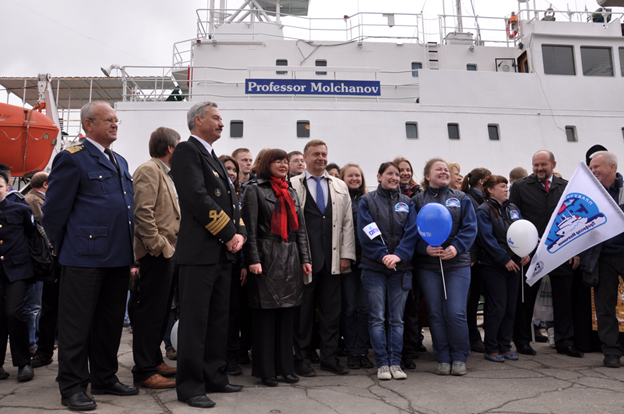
284,217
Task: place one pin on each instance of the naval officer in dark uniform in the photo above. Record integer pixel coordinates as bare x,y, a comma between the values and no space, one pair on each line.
211,232
16,222
88,216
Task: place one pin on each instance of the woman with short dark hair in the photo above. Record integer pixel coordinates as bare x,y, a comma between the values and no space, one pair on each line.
277,255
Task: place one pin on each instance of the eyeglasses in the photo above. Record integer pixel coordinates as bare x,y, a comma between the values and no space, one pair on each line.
109,120
278,162
297,161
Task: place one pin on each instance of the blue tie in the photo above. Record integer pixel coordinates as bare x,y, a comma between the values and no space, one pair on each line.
320,198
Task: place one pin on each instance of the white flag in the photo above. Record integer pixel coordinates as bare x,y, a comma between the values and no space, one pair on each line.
585,216
372,230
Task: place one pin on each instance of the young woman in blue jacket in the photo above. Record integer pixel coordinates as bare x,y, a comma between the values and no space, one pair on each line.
387,266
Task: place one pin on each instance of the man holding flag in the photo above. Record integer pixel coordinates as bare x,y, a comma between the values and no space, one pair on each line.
604,263
538,196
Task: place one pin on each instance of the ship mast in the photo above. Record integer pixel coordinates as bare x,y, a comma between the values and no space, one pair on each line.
460,24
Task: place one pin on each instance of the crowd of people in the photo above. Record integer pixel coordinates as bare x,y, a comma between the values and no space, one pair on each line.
265,260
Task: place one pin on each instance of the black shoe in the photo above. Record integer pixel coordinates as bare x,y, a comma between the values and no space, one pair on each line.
79,402
232,368
25,373
334,369
305,370
314,358
540,337
39,361
422,348
270,382
353,362
477,346
407,363
571,351
243,359
610,361
200,401
525,349
227,388
342,352
3,374
290,378
365,362
116,389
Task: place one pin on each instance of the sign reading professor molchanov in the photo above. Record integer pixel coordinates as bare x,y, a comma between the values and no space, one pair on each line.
311,87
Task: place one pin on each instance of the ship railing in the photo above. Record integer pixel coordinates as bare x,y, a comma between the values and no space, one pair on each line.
553,14
482,29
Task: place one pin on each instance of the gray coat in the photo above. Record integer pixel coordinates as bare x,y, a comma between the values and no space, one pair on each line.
281,283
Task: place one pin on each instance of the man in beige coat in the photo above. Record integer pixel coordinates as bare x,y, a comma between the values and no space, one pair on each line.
157,222
326,205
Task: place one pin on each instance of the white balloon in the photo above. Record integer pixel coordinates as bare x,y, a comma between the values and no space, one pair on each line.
174,335
522,237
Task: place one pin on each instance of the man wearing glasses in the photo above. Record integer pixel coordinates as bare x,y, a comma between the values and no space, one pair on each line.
88,216
297,164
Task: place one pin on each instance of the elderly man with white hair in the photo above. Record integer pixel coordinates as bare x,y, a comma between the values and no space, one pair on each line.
604,263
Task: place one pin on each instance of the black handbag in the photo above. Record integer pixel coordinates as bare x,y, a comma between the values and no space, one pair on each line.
41,254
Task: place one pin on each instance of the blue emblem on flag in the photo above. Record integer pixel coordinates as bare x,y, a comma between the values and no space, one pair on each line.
577,216
514,215
453,202
401,208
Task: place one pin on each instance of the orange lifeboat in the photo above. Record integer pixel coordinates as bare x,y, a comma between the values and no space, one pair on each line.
27,138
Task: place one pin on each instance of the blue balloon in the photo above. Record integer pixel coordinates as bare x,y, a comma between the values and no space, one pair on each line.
434,224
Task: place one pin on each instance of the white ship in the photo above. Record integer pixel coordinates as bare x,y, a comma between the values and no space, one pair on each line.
483,92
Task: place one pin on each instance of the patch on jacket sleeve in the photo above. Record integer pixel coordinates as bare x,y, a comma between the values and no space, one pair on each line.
242,223
453,202
74,149
219,220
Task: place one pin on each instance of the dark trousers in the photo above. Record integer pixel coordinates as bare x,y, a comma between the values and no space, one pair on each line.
12,320
605,299
476,288
523,324
239,321
324,289
149,320
92,304
49,318
202,328
272,342
501,294
411,329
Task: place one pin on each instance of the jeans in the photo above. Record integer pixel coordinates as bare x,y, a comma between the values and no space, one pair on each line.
386,297
447,317
32,310
354,315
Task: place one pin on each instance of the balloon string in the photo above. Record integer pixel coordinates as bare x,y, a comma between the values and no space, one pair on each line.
443,283
522,282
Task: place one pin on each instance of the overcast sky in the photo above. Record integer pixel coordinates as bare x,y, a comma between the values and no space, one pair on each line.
77,37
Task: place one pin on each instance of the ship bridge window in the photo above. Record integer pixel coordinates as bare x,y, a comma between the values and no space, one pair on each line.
415,67
303,129
471,67
236,129
453,131
411,130
494,132
571,133
597,61
281,62
558,60
321,62
622,61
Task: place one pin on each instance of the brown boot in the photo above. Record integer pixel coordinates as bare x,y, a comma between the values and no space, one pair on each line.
166,371
157,381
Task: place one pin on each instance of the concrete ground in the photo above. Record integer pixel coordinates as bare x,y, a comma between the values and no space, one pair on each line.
545,383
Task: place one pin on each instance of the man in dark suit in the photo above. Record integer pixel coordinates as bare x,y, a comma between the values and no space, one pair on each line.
211,232
88,216
537,197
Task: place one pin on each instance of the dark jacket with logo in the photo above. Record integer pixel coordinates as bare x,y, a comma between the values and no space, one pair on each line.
492,235
281,283
464,229
476,197
16,223
395,217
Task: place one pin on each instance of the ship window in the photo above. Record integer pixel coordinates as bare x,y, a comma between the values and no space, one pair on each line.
281,62
493,132
415,67
321,63
571,133
596,61
471,67
453,131
236,129
622,60
558,60
411,130
303,129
